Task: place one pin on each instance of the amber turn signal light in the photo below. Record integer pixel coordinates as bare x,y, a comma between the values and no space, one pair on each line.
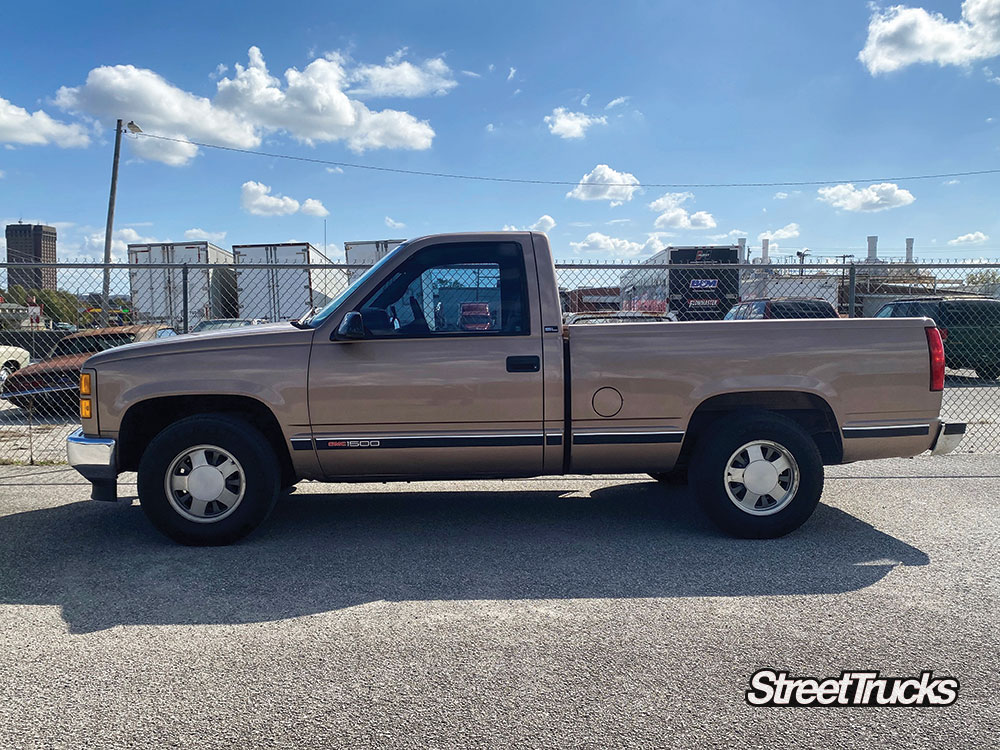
85,408
84,383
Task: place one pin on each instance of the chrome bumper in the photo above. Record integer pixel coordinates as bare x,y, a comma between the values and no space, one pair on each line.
96,460
949,435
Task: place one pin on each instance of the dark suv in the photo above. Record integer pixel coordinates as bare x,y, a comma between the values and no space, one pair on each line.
783,308
970,327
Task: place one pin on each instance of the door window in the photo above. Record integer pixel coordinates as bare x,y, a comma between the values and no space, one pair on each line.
475,289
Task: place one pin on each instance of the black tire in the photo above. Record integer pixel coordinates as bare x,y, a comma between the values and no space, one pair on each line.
988,372
260,478
721,440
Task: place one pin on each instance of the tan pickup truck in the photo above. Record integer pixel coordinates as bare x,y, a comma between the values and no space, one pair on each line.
386,383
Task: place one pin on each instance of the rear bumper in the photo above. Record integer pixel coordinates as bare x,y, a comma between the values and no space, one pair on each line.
96,460
949,435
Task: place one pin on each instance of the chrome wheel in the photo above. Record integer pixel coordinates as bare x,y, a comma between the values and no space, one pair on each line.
762,477
4,374
205,483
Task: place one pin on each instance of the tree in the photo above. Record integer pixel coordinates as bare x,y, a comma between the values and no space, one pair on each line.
986,276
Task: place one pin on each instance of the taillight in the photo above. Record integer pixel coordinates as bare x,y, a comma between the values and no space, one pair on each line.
936,348
944,333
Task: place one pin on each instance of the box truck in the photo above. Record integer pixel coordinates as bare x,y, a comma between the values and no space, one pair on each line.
367,253
158,293
291,287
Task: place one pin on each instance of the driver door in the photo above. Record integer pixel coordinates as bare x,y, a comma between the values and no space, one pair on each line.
448,379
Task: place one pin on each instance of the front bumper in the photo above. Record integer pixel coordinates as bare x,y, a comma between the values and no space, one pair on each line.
97,460
949,435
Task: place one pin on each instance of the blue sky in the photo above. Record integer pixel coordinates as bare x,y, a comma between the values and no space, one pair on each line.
656,92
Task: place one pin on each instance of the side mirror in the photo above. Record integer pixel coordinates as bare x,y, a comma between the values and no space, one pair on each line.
352,327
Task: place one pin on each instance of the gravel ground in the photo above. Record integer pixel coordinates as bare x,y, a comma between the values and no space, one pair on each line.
560,612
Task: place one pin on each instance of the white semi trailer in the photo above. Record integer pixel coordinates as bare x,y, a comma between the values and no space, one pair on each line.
158,293
367,253
291,286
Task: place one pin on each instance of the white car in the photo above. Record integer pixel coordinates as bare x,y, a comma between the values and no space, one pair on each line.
12,359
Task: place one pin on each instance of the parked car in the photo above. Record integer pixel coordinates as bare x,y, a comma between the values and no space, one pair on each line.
970,328
216,426
624,316
53,383
219,324
782,308
475,317
12,359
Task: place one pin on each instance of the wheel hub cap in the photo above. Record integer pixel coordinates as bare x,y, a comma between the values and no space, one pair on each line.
760,477
206,483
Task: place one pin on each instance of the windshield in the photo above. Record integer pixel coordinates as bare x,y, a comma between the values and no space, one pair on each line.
91,344
315,321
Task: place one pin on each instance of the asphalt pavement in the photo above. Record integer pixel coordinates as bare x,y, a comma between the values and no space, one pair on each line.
559,612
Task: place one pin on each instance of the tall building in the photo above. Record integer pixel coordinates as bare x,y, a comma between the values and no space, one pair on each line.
31,243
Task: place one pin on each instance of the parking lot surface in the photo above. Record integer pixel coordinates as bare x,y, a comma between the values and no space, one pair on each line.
557,612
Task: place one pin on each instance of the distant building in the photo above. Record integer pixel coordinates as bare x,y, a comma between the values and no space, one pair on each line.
31,243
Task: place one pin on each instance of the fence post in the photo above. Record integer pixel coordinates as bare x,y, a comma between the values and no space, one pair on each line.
184,294
852,286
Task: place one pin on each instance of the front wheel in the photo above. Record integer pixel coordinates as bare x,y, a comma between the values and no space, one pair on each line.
758,476
208,480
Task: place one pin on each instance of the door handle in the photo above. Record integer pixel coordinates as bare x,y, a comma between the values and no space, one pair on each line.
523,364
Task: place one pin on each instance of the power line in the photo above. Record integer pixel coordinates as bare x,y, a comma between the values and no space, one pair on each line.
525,181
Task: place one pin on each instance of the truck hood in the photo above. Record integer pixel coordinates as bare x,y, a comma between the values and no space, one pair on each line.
232,338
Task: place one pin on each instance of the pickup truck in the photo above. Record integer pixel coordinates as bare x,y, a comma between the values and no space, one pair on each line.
382,384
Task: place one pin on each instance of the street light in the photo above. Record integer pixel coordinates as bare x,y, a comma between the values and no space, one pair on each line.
106,288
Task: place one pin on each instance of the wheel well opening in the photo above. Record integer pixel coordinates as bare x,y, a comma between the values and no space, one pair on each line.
144,420
811,412
12,365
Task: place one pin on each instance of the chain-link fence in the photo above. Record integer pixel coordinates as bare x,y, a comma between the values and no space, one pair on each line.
52,317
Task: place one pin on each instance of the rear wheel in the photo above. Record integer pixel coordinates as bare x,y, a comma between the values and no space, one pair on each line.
757,476
208,480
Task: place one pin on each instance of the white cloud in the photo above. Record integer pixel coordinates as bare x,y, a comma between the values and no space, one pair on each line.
545,223
220,70
490,127
617,102
256,199
17,125
950,182
2,174
471,74
731,234
787,232
510,75
399,77
393,224
780,196
674,215
899,36
618,221
93,244
201,234
314,207
585,100
335,170
603,183
972,238
878,197
566,124
597,243
311,105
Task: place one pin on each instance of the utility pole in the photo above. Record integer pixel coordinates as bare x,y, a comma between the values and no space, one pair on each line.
106,289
